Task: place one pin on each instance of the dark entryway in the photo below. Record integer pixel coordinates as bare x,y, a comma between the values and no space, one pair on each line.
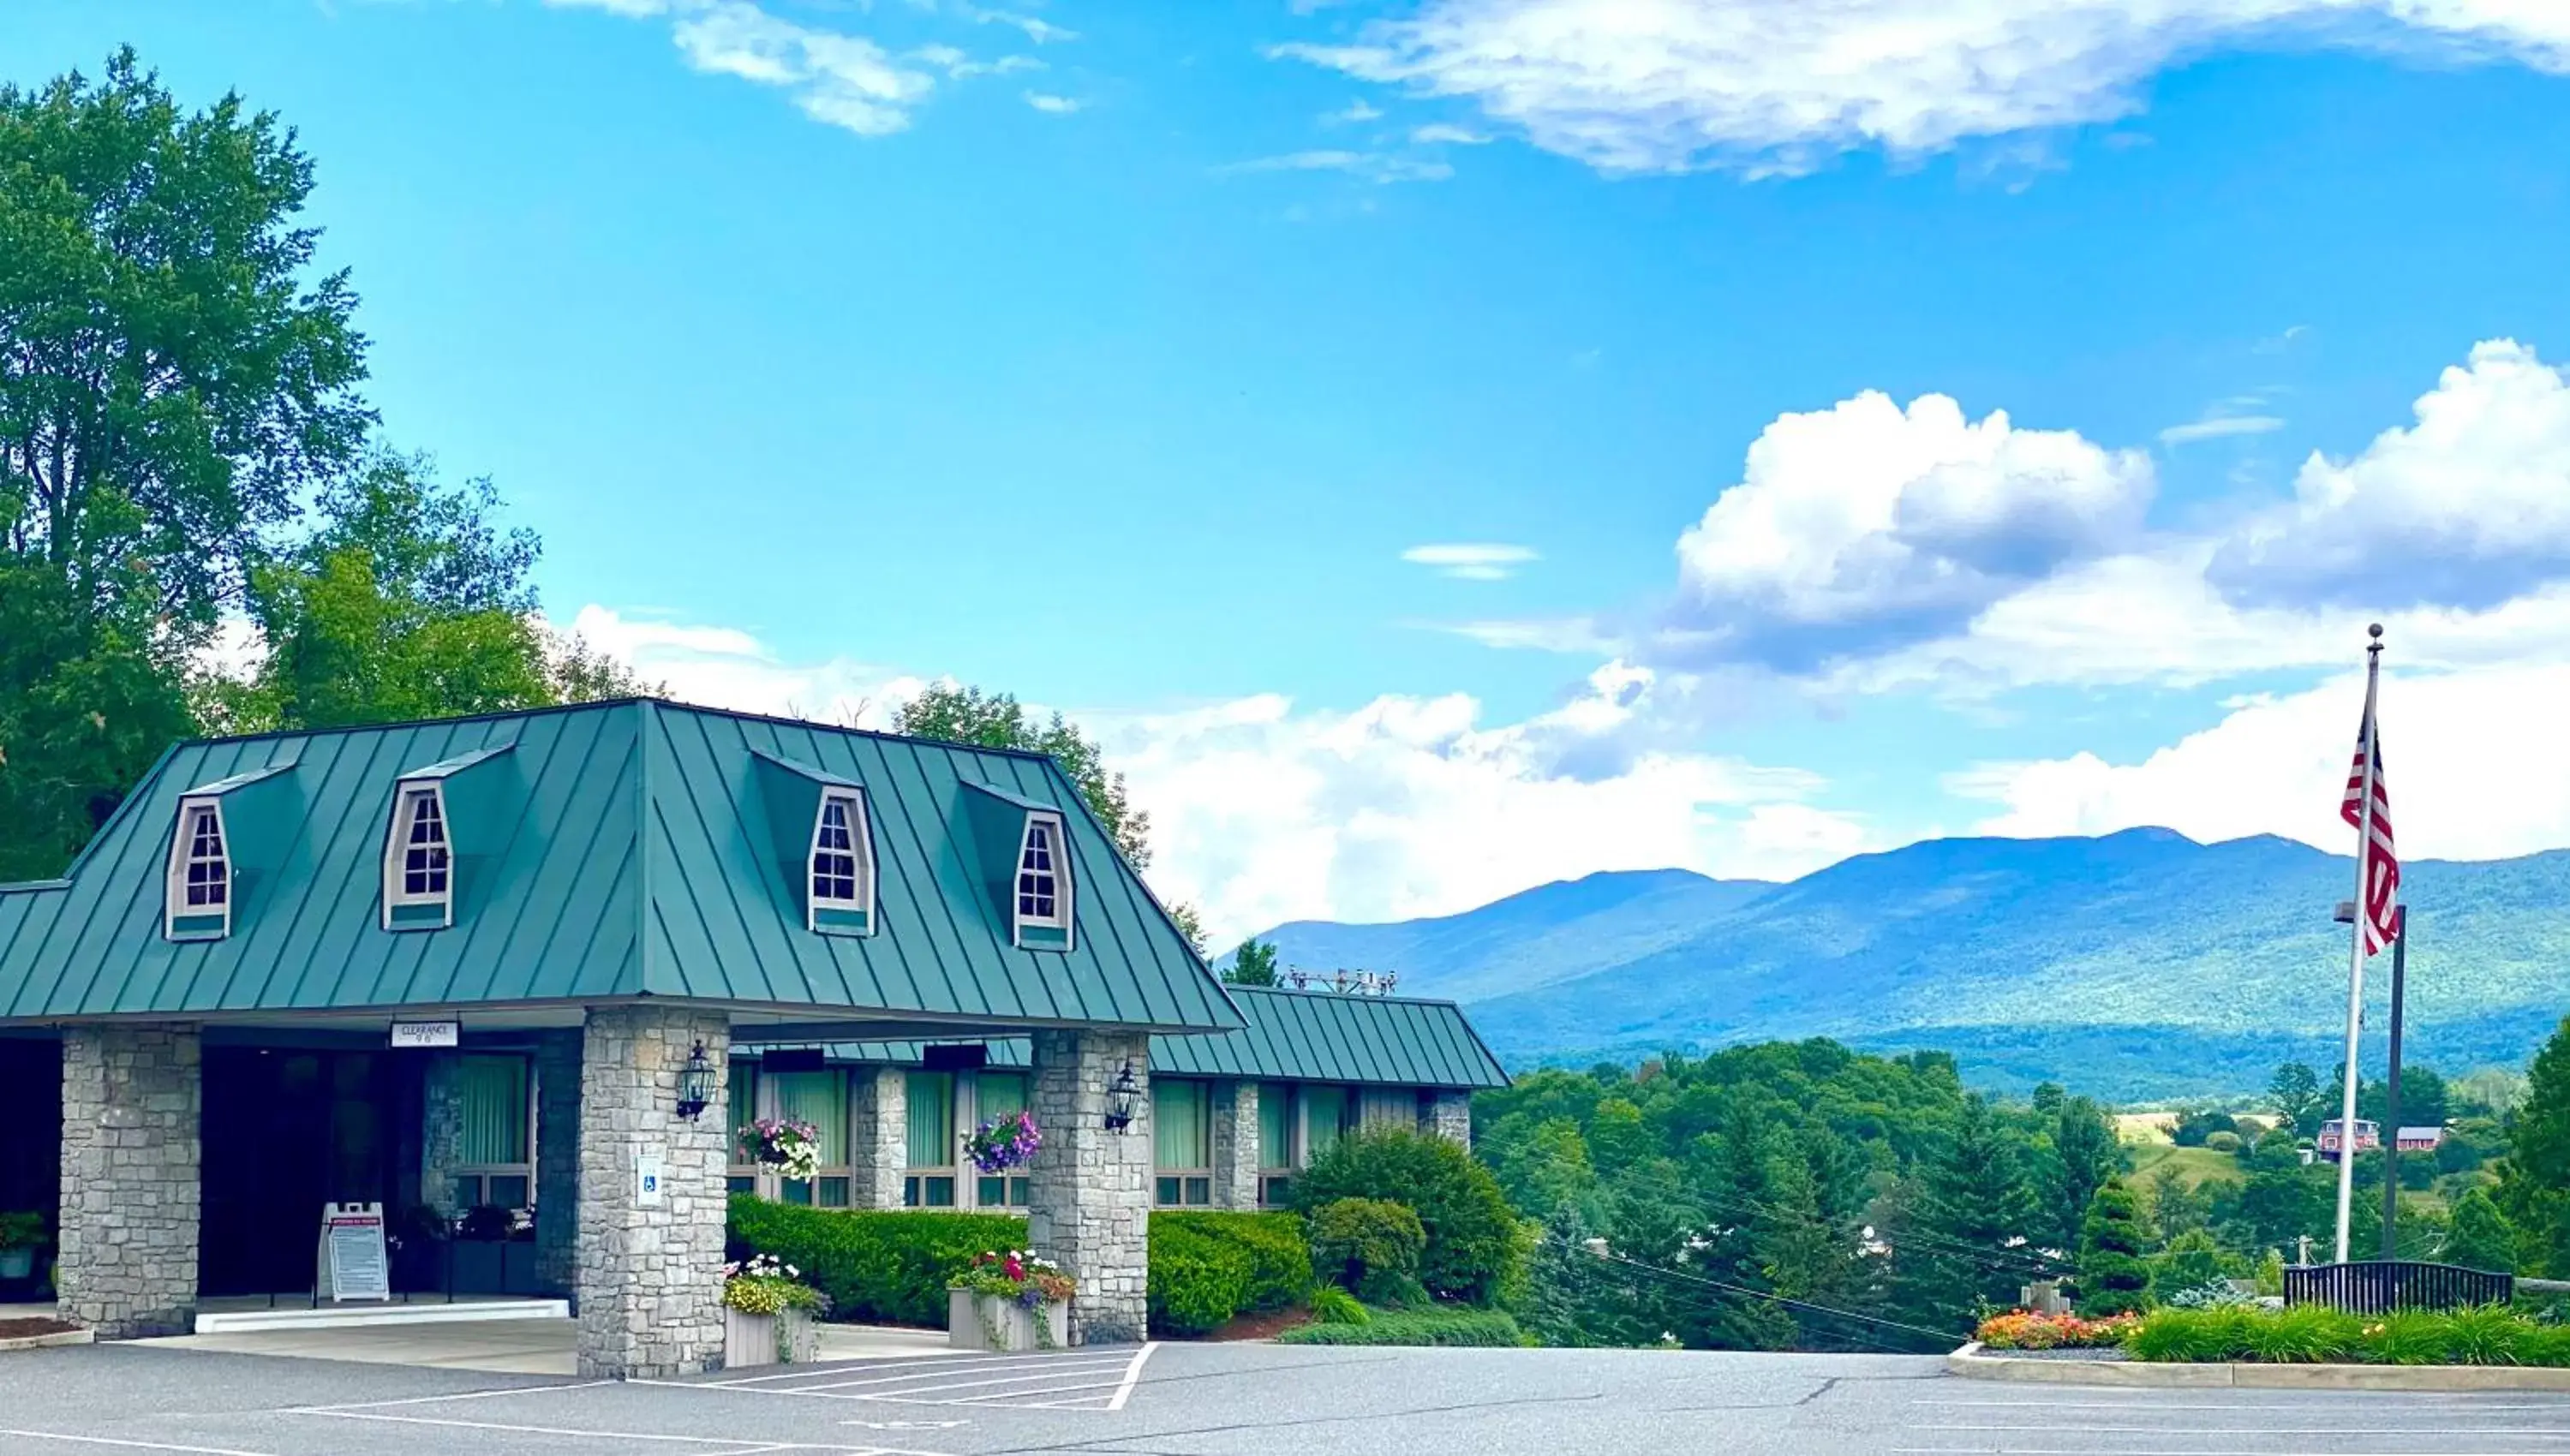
286,1131
31,1145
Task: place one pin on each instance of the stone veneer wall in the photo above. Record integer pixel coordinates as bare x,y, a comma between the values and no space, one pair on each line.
441,1130
1448,1115
131,1194
650,1280
878,1135
1236,1145
1089,1202
558,1075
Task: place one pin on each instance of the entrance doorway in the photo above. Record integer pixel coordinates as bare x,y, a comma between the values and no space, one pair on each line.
287,1130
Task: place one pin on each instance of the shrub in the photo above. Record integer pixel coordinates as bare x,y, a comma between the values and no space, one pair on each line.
1334,1305
2221,1142
2191,1261
2187,1336
1197,1282
2195,1128
888,1266
2306,1335
1446,1325
2314,1334
1280,1264
2113,1279
2492,1336
1370,1245
1475,1248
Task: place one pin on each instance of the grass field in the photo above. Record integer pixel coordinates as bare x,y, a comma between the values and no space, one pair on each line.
2197,1165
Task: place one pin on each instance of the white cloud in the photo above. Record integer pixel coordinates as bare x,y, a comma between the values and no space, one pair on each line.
2219,427
1537,634
1039,30
2470,504
2470,758
1441,134
730,668
1060,105
1781,86
1353,113
1374,167
1472,560
1866,523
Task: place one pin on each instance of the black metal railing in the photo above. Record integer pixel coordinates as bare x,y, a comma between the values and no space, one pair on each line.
2381,1286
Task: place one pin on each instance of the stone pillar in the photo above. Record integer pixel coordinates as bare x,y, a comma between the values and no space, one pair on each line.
1236,1154
650,1281
1088,1197
557,1073
131,1194
441,1131
878,1135
1448,1115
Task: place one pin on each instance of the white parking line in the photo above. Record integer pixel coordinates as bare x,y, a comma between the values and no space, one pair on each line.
1133,1373
458,1395
2530,1432
135,1445
714,1445
1040,1368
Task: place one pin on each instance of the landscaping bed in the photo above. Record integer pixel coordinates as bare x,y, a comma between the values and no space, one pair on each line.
30,1329
2311,1335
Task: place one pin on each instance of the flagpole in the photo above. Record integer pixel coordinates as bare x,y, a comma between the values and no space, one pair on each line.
2355,947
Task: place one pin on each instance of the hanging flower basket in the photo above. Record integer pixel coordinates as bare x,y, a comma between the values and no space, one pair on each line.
1004,1143
792,1148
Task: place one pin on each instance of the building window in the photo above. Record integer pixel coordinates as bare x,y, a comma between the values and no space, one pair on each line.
1181,1142
494,1100
1043,886
1275,1143
740,1097
1328,1112
842,879
996,1095
821,1099
928,1176
199,891
419,869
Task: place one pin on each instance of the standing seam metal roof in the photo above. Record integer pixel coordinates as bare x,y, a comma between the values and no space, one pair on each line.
619,852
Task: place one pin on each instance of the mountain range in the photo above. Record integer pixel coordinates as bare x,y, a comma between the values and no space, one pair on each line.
2134,965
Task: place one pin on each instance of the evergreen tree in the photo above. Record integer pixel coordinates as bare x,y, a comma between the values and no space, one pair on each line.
1962,1244
2085,1154
1253,964
2176,1210
2113,1279
2534,1188
2478,1237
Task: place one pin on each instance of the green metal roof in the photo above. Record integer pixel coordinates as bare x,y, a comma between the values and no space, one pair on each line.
1292,1036
602,851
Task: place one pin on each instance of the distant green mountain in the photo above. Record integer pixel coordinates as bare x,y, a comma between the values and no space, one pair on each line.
2137,964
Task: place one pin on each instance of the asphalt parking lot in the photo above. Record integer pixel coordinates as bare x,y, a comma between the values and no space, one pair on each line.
1210,1400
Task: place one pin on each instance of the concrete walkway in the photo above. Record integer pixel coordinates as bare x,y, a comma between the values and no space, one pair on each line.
506,1346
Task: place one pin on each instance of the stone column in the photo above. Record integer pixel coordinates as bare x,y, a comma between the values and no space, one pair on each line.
557,1073
1236,1154
441,1131
878,1135
131,1194
1448,1115
649,1283
1088,1197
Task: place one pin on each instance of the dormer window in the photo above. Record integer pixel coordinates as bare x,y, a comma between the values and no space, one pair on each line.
1043,886
419,862
200,889
842,867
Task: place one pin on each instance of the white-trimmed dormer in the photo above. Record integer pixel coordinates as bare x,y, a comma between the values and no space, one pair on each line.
1040,899
198,904
419,858
839,873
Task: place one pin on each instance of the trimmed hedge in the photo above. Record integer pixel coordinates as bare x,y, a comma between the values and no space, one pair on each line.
1486,1328
1280,1265
2312,1334
879,1266
1208,1268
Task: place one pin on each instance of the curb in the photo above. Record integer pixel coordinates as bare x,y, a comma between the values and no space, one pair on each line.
48,1341
1970,1363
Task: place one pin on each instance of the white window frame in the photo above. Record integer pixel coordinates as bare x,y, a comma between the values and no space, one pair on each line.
1058,850
861,843
406,794
182,856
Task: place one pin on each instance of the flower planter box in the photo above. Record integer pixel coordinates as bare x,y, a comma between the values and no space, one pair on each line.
972,1319
787,1338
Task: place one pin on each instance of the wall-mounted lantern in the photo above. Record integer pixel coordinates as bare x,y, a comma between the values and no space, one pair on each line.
695,1085
1122,1097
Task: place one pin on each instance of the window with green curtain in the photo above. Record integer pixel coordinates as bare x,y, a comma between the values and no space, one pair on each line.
1325,1112
931,1099
741,1092
1275,1125
1182,1124
494,1093
821,1099
1000,1093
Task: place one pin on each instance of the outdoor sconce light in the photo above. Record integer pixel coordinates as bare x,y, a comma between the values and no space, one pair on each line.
1120,1097
695,1085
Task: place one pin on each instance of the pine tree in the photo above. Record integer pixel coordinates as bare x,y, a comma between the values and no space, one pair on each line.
2113,1279
2478,1236
1960,1244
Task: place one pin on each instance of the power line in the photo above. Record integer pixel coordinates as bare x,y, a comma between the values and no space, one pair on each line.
2030,1262
1746,1293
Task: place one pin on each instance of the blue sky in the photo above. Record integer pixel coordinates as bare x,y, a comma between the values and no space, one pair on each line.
1116,354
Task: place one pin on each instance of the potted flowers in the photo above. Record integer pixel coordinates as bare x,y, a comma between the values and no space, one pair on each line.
1009,1301
769,1312
792,1148
1004,1143
21,1235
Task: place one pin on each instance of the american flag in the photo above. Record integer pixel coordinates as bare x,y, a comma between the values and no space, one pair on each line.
2381,912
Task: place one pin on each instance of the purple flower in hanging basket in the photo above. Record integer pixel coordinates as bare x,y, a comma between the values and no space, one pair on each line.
1004,1143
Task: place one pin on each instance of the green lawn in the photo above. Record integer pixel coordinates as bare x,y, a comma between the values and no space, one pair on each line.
2197,1165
